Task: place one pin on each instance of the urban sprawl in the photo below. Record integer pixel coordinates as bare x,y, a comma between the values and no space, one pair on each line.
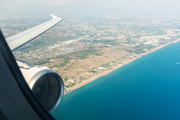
79,48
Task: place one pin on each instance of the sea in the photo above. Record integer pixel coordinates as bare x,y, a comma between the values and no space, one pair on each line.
145,89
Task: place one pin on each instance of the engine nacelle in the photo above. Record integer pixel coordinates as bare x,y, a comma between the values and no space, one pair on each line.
46,84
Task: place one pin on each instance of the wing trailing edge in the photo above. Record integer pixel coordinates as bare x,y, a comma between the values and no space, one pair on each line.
20,39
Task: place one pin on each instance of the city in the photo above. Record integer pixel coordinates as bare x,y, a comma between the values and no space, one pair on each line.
80,49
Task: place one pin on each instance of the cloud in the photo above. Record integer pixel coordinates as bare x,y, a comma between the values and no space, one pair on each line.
52,2
17,2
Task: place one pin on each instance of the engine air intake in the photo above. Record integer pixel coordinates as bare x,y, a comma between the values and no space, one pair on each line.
46,84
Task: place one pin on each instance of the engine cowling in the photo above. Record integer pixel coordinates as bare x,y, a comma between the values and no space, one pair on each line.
46,84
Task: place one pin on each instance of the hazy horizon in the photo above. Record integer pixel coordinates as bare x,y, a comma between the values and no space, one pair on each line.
85,7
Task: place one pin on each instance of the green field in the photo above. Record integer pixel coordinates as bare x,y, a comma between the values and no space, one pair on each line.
81,54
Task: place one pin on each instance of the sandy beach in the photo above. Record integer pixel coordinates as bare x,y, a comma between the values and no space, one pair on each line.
89,80
114,68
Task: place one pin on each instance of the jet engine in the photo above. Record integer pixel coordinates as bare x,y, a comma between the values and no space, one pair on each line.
46,84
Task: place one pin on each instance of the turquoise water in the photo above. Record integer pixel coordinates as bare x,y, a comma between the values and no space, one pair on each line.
146,89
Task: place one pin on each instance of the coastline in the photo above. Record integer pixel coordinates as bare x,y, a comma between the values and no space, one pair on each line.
114,68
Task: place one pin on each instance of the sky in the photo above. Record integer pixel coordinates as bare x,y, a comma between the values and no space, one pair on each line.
89,7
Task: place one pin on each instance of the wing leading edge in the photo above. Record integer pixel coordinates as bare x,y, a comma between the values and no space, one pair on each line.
20,39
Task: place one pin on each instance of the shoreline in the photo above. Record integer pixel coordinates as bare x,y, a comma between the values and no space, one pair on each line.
114,68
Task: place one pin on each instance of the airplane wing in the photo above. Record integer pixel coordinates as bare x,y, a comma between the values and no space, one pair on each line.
20,39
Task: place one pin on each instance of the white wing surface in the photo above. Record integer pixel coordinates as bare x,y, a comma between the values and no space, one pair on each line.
20,39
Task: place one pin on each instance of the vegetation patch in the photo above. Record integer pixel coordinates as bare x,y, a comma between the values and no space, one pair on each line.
81,54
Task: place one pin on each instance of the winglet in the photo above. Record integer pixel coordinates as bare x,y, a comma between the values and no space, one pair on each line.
54,17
